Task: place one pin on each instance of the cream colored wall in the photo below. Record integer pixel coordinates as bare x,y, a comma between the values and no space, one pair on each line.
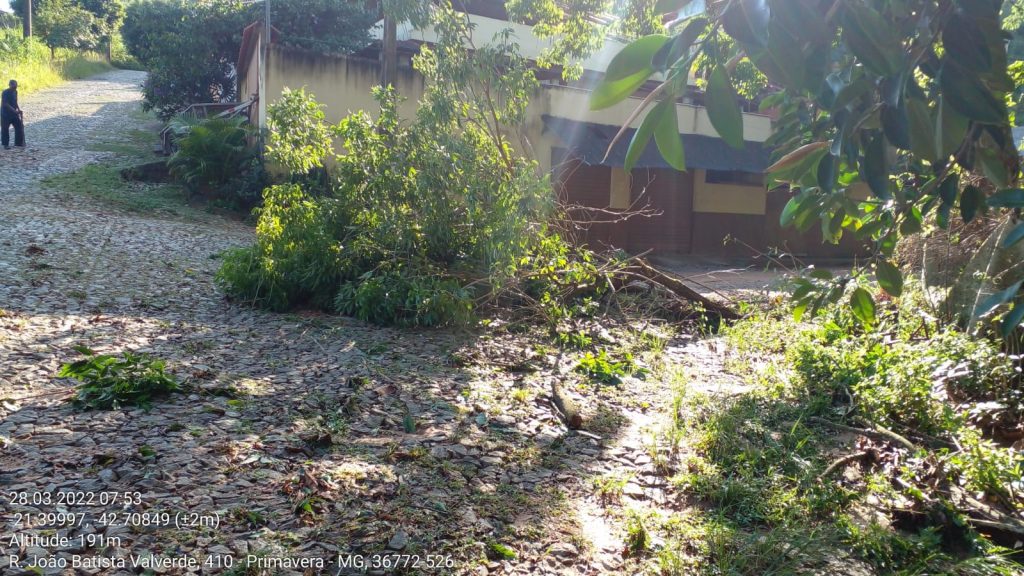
727,198
342,85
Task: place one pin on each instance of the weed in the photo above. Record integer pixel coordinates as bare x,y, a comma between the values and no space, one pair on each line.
602,368
609,487
638,539
521,396
109,382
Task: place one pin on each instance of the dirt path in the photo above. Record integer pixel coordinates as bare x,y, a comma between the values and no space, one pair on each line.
305,440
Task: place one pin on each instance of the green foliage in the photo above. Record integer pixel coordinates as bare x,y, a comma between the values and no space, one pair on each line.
299,139
603,368
216,158
64,24
191,48
34,66
389,232
405,298
110,382
760,456
906,101
324,26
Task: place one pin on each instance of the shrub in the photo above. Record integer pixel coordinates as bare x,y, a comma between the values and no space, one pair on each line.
190,48
29,61
109,382
215,159
405,299
390,232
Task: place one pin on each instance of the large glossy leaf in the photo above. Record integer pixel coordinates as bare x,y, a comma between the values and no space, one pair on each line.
610,93
854,90
641,138
1012,198
896,124
948,189
679,45
1012,319
747,21
998,299
968,95
1015,236
724,109
922,129
827,172
965,44
950,129
627,71
863,306
635,57
666,134
875,168
972,200
796,156
889,277
871,39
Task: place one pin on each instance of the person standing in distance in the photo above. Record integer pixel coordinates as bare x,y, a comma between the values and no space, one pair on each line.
10,115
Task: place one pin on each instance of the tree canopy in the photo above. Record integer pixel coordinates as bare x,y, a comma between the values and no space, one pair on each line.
190,48
905,101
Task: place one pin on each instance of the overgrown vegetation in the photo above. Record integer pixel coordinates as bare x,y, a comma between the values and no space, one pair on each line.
419,222
191,48
218,159
888,443
112,382
30,62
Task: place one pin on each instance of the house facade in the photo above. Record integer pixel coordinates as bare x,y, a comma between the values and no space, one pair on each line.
719,206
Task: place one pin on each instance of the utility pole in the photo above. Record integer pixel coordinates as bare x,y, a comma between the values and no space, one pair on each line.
27,19
261,105
389,52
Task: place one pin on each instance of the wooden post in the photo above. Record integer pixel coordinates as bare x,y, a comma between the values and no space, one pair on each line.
27,19
389,52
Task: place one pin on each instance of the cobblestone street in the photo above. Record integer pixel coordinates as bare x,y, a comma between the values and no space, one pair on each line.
295,431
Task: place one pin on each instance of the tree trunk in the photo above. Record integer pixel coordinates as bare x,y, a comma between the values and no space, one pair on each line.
27,19
389,52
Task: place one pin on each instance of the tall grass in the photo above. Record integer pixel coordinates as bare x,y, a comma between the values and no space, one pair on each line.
30,63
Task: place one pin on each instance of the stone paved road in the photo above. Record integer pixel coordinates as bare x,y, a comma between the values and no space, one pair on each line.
301,435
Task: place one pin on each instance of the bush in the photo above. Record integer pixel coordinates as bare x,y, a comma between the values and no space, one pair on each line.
190,48
406,299
390,233
30,63
215,158
109,382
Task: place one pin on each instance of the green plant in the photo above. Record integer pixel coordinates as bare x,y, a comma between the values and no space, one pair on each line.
110,382
609,487
214,157
891,117
602,368
191,48
638,539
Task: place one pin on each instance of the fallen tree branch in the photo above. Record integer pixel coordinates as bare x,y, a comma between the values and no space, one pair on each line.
678,287
842,462
877,433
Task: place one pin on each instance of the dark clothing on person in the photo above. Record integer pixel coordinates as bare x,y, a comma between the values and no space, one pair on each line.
5,133
10,115
9,103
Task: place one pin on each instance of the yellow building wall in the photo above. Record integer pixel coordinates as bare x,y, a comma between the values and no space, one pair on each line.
342,85
727,198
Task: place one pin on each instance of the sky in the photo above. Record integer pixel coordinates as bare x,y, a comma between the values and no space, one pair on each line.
5,5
